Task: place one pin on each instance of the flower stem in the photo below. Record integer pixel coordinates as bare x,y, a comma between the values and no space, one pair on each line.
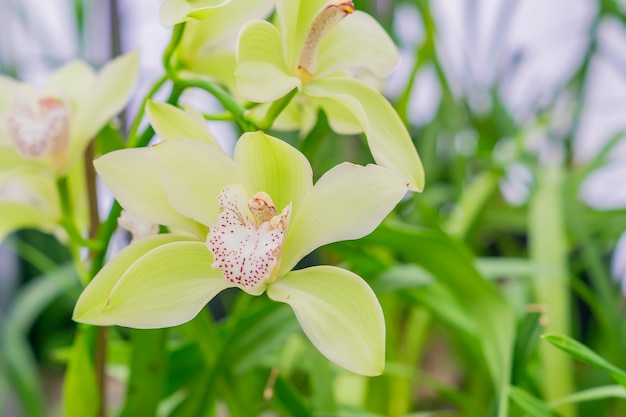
67,221
276,109
142,109
177,34
229,103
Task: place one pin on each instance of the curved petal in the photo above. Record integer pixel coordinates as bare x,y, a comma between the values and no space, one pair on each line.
176,11
193,174
387,137
170,122
106,97
261,74
275,167
132,177
71,81
339,313
16,215
167,286
91,303
348,202
356,42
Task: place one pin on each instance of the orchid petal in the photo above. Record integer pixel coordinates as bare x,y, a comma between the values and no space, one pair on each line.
347,202
275,167
167,286
193,174
356,42
107,97
388,138
339,313
261,73
71,81
16,215
132,177
176,11
91,303
170,122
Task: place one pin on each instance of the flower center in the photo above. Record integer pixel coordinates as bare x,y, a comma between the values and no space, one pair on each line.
323,22
247,241
40,128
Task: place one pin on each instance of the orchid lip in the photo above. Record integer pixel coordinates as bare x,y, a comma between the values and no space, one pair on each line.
40,128
247,241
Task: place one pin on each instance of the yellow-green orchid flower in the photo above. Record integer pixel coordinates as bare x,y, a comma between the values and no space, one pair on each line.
51,129
313,47
208,44
177,11
249,220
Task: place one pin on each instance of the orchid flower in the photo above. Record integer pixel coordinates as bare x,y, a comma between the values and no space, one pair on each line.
248,220
208,44
51,129
312,47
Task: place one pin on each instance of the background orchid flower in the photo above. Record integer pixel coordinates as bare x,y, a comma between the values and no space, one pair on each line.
313,47
52,128
177,11
263,215
208,44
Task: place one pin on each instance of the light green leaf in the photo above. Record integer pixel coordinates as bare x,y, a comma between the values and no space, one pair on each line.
591,394
105,98
167,286
170,122
348,202
261,73
193,174
358,41
339,313
176,11
583,353
93,299
387,137
275,167
132,177
529,403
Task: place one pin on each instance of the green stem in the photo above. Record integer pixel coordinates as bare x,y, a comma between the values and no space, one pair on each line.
229,103
276,109
67,221
177,35
219,117
142,109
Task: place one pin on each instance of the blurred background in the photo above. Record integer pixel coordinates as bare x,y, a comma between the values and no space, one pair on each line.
503,87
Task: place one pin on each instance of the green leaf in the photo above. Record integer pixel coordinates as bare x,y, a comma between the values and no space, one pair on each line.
591,394
529,403
584,354
148,373
451,264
